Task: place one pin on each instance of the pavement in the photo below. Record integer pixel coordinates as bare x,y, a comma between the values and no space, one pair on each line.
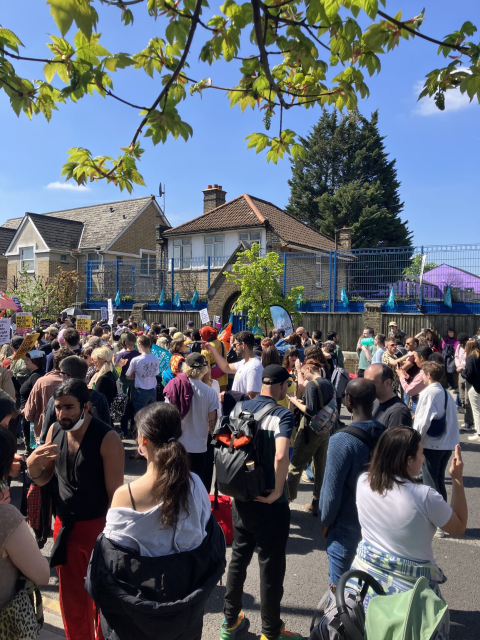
307,567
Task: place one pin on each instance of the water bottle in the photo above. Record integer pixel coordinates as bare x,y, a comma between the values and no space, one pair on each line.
33,442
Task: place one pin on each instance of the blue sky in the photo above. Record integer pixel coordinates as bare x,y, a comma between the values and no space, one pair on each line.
436,153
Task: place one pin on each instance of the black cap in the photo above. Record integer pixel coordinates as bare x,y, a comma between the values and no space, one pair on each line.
462,337
196,361
275,374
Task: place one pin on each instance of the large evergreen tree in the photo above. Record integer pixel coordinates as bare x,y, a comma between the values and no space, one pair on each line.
346,179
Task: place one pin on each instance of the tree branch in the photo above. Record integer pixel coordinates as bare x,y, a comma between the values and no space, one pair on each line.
135,106
19,93
257,21
403,25
17,57
317,40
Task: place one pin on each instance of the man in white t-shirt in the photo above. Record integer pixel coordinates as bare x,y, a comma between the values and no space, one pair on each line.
248,370
202,414
144,370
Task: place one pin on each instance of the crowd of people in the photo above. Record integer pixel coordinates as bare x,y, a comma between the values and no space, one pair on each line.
151,550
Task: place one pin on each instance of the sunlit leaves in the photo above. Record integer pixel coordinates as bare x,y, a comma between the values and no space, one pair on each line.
65,12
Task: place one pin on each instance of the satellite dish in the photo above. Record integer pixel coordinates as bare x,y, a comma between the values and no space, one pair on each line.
161,192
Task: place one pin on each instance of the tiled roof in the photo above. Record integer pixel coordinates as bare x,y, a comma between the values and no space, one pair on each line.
101,224
247,211
6,236
12,223
58,233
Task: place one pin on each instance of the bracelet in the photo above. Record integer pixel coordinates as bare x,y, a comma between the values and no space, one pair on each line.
36,477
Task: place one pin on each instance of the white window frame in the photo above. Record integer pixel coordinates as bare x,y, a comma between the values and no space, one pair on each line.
180,260
249,238
151,260
214,241
95,269
21,248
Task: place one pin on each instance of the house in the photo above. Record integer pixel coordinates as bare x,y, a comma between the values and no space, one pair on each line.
201,247
112,244
465,286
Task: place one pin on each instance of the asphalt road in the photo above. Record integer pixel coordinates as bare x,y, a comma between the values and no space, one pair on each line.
307,566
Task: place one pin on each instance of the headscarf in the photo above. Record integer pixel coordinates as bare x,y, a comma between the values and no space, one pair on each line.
208,333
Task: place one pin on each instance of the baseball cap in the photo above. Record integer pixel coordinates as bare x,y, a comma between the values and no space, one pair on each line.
196,361
461,337
392,324
274,374
190,323
52,331
178,336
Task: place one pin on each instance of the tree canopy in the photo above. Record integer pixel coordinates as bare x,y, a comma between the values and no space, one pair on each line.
347,179
284,54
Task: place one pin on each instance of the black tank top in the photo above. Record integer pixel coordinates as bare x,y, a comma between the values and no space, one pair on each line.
82,494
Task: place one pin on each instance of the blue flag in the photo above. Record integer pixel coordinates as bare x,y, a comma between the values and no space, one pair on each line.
391,300
195,298
299,300
117,299
447,298
230,319
344,298
176,300
161,299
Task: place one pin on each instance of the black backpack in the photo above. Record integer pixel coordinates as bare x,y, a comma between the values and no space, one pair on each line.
239,470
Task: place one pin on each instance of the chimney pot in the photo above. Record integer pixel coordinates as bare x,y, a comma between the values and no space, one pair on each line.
215,186
209,186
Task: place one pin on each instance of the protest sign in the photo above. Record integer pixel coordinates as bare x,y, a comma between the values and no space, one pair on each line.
24,322
204,317
27,345
4,331
216,322
104,312
163,356
110,311
83,325
17,302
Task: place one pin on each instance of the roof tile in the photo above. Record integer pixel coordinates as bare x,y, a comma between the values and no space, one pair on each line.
6,236
58,233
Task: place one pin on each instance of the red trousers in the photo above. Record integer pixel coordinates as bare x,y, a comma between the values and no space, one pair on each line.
81,618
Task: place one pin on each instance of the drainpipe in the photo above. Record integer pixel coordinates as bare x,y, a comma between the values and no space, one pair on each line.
75,256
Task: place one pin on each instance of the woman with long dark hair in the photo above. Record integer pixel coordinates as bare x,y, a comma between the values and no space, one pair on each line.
399,517
161,552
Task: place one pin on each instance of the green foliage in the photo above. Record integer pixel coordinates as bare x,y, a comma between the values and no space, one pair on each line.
296,45
416,265
346,179
259,280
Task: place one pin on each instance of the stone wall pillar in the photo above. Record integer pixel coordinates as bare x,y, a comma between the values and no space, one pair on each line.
372,316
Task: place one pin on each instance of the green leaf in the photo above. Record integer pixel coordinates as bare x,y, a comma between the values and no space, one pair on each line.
63,12
331,8
297,151
371,8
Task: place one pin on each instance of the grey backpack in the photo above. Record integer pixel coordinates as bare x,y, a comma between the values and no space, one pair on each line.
344,616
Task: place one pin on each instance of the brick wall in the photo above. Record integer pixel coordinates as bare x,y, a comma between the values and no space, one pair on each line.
140,234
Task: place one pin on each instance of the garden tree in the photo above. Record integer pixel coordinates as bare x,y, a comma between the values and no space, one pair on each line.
259,280
346,179
284,55
45,297
416,266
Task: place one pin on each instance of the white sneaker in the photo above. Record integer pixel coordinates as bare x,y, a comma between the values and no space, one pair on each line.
439,533
474,438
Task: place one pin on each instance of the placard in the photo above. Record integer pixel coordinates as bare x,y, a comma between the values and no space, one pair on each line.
204,317
163,356
5,324
110,311
24,322
27,345
104,312
216,322
83,325
17,302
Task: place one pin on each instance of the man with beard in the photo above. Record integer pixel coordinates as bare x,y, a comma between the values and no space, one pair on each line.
87,456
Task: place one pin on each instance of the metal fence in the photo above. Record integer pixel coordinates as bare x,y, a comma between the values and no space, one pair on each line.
436,279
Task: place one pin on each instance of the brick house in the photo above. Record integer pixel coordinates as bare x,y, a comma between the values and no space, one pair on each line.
224,228
113,244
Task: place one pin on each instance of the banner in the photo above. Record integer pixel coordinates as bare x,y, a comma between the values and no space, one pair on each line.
84,324
110,311
281,319
27,345
391,300
344,298
104,313
204,317
5,325
163,356
447,299
24,322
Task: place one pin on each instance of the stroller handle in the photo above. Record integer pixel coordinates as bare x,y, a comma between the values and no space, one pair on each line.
342,609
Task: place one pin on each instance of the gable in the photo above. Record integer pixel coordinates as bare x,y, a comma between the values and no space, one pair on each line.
27,234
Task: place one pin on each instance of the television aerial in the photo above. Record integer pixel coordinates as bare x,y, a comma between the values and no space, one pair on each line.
161,194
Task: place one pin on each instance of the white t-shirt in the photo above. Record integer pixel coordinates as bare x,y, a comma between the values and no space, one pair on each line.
195,423
216,388
248,376
404,520
145,367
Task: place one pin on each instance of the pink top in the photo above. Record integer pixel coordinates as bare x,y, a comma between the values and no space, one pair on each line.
413,387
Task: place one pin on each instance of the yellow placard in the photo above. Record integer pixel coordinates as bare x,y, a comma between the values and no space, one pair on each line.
27,345
24,322
83,324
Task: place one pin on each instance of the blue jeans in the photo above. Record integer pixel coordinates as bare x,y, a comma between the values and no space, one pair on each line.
342,543
143,397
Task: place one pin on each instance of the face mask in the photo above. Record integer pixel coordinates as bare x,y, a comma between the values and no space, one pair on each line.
76,426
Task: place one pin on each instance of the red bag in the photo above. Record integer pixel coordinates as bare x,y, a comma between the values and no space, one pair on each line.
222,512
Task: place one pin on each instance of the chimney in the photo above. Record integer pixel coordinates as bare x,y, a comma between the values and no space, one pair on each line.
345,238
213,197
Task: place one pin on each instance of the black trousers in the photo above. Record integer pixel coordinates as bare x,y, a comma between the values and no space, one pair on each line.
265,527
434,468
197,463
